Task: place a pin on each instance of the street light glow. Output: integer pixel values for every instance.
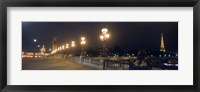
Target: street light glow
(104, 35)
(34, 40)
(83, 41)
(73, 44)
(101, 37)
(104, 30)
(107, 35)
(67, 45)
(82, 38)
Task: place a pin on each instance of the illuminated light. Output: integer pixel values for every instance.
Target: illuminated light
(73, 44)
(101, 37)
(63, 47)
(83, 42)
(67, 45)
(82, 38)
(104, 34)
(162, 46)
(23, 56)
(49, 49)
(107, 35)
(104, 30)
(38, 46)
(35, 40)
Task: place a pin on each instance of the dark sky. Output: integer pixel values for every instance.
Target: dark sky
(126, 35)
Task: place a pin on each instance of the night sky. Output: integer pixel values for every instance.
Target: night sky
(126, 35)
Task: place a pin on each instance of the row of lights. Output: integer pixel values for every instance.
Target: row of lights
(66, 46)
(104, 36)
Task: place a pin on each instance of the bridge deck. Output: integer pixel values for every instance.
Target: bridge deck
(52, 64)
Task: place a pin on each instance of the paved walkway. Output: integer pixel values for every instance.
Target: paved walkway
(52, 64)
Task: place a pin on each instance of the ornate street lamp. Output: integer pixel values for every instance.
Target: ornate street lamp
(104, 36)
(72, 45)
(83, 42)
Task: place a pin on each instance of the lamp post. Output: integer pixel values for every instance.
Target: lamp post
(67, 47)
(83, 42)
(72, 45)
(34, 40)
(104, 36)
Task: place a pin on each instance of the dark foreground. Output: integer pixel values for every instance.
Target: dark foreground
(96, 63)
(52, 64)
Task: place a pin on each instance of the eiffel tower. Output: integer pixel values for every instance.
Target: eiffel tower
(162, 46)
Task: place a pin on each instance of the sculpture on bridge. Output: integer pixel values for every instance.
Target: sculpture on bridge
(43, 50)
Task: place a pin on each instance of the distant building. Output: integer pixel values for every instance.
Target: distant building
(31, 54)
(162, 45)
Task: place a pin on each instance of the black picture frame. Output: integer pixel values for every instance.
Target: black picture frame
(98, 3)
